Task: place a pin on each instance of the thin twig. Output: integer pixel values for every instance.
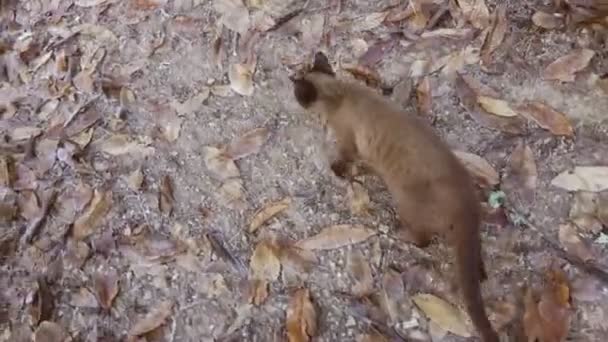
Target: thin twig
(35, 225)
(591, 267)
(435, 18)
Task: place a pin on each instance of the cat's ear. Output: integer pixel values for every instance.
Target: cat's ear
(305, 92)
(321, 64)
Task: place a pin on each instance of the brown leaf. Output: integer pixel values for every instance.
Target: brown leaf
(232, 192)
(6, 176)
(584, 212)
(476, 12)
(301, 320)
(50, 332)
(548, 319)
(358, 199)
(574, 243)
(41, 304)
(153, 319)
(106, 287)
(564, 68)
(84, 299)
(29, 206)
(361, 272)
(424, 97)
(135, 179)
(391, 294)
(259, 291)
(264, 263)
(83, 81)
(249, 143)
(546, 20)
(444, 314)
(336, 236)
(148, 4)
(120, 144)
(521, 177)
(467, 93)
(479, 168)
(77, 253)
(547, 117)
(87, 223)
(498, 30)
(267, 212)
(165, 195)
(235, 15)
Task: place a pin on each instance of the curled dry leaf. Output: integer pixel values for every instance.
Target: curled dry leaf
(583, 178)
(87, 223)
(361, 272)
(235, 15)
(106, 287)
(496, 106)
(336, 237)
(301, 320)
(424, 97)
(564, 68)
(153, 319)
(521, 177)
(49, 331)
(445, 315)
(546, 20)
(267, 212)
(165, 195)
(479, 168)
(241, 78)
(548, 318)
(574, 243)
(358, 199)
(547, 118)
(497, 31)
(476, 12)
(120, 144)
(249, 143)
(585, 211)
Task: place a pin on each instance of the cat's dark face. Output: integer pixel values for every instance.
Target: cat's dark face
(304, 90)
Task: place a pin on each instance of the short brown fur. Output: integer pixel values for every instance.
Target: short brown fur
(433, 192)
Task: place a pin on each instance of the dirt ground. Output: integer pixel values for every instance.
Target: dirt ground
(140, 80)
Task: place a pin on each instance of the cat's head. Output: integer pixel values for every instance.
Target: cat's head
(315, 85)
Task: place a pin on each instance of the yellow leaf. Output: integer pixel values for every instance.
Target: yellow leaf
(444, 314)
(496, 106)
(301, 320)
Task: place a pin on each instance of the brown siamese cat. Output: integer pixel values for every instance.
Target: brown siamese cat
(433, 191)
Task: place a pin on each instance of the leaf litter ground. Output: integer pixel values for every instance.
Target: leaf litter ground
(158, 182)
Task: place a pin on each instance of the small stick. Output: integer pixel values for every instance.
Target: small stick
(34, 227)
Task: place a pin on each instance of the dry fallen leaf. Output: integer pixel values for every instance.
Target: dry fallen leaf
(84, 299)
(41, 303)
(564, 68)
(336, 236)
(548, 318)
(424, 97)
(583, 178)
(361, 272)
(87, 223)
(476, 12)
(301, 320)
(267, 212)
(135, 179)
(120, 144)
(358, 199)
(218, 163)
(479, 168)
(153, 319)
(235, 15)
(165, 195)
(370, 21)
(264, 267)
(496, 106)
(148, 4)
(170, 125)
(547, 117)
(49, 331)
(457, 60)
(84, 81)
(106, 287)
(496, 34)
(585, 211)
(546, 20)
(249, 143)
(520, 181)
(444, 314)
(572, 241)
(241, 78)
(365, 74)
